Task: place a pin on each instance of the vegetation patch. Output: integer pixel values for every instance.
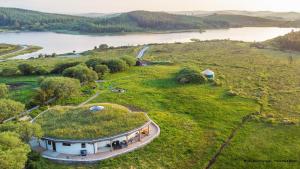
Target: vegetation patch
(81, 123)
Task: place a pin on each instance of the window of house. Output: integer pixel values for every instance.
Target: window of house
(49, 142)
(66, 144)
(83, 145)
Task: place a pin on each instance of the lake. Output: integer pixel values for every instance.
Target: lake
(65, 43)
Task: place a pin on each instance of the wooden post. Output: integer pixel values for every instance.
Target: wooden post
(127, 139)
(148, 130)
(140, 135)
(111, 148)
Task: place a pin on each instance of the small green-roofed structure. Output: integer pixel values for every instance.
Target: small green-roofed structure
(90, 121)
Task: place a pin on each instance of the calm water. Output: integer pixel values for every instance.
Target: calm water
(65, 43)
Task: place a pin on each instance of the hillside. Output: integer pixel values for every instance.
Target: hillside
(241, 20)
(136, 21)
(287, 16)
(290, 41)
(20, 19)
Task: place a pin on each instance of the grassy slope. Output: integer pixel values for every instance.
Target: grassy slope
(66, 122)
(190, 130)
(8, 48)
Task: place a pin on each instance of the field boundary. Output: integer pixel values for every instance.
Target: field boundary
(228, 140)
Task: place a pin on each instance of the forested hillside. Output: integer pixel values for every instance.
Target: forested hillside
(136, 21)
(290, 41)
(241, 20)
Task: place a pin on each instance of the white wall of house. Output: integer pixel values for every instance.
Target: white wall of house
(74, 148)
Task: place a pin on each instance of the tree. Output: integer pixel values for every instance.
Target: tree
(25, 130)
(26, 69)
(82, 73)
(9, 72)
(59, 68)
(189, 75)
(94, 62)
(13, 152)
(101, 70)
(9, 108)
(103, 46)
(60, 87)
(130, 61)
(40, 70)
(3, 90)
(116, 65)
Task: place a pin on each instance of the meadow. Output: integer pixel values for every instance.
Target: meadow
(195, 120)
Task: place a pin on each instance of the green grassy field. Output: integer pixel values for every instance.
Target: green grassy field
(196, 120)
(20, 51)
(7, 48)
(22, 88)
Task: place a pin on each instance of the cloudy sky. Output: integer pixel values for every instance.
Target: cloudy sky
(106, 6)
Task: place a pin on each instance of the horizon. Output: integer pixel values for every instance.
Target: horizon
(114, 6)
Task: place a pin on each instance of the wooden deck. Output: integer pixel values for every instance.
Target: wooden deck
(66, 158)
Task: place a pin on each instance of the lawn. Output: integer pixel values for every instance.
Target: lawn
(22, 88)
(191, 131)
(260, 145)
(67, 122)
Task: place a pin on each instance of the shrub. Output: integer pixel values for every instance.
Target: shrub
(26, 69)
(60, 87)
(82, 73)
(9, 108)
(94, 62)
(3, 90)
(130, 61)
(13, 151)
(41, 70)
(116, 65)
(101, 70)
(189, 75)
(59, 68)
(9, 72)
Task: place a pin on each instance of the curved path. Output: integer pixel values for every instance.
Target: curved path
(23, 47)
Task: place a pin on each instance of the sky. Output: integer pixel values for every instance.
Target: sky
(108, 6)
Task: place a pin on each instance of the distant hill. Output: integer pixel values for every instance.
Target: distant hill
(242, 20)
(136, 21)
(20, 19)
(287, 16)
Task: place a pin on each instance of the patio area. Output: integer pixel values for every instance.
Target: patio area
(66, 158)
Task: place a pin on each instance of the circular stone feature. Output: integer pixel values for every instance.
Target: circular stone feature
(67, 122)
(96, 108)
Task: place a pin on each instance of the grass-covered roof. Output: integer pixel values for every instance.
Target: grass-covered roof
(65, 122)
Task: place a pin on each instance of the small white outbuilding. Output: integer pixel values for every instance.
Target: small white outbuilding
(209, 74)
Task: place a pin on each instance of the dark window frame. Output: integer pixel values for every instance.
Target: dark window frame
(49, 142)
(83, 145)
(66, 144)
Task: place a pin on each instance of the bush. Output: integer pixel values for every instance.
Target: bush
(62, 66)
(13, 151)
(82, 73)
(101, 70)
(189, 75)
(9, 72)
(130, 61)
(116, 65)
(41, 70)
(3, 90)
(9, 108)
(94, 62)
(60, 87)
(26, 69)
